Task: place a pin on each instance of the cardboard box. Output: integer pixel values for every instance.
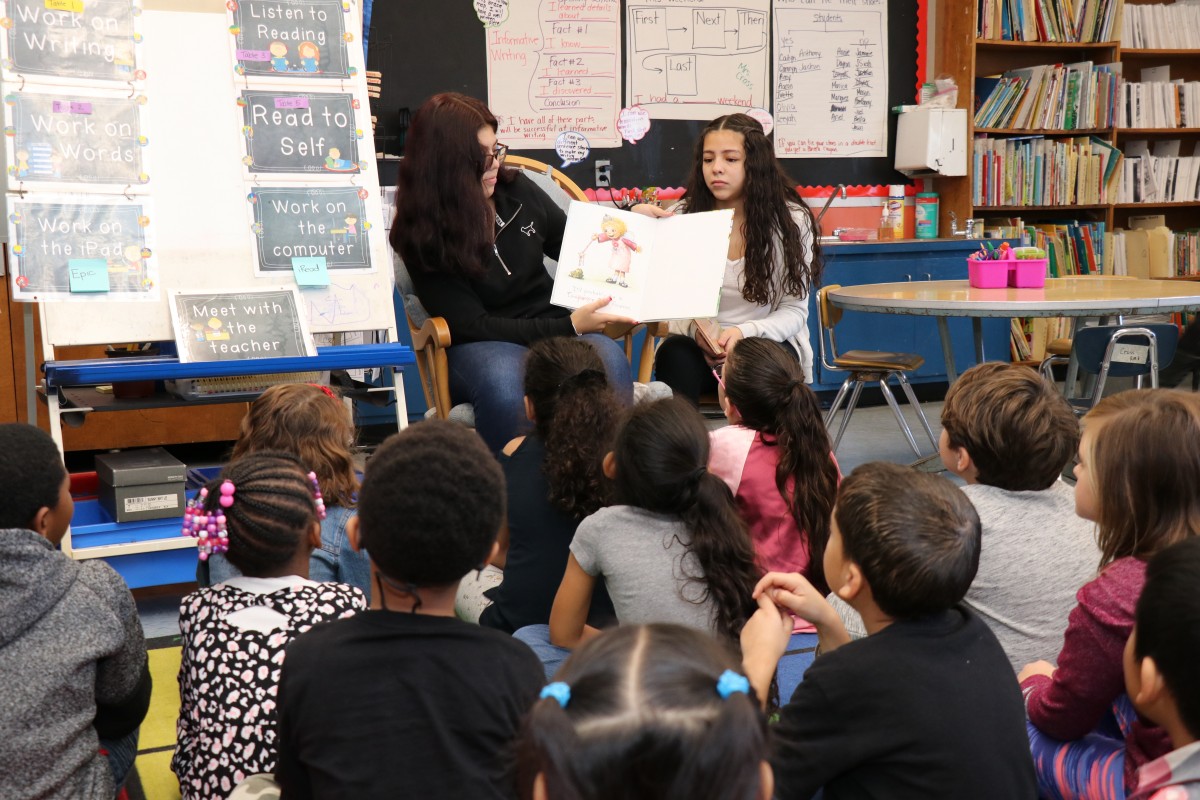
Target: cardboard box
(141, 484)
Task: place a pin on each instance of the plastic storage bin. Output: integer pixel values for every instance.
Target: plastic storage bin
(988, 274)
(1028, 273)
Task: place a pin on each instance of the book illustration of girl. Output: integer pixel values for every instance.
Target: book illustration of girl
(613, 230)
(310, 57)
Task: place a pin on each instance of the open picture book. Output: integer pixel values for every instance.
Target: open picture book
(654, 269)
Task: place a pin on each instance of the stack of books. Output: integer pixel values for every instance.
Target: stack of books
(1173, 26)
(1036, 171)
(1047, 20)
(1076, 96)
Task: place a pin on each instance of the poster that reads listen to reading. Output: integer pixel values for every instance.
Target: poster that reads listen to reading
(71, 41)
(290, 40)
(831, 88)
(555, 67)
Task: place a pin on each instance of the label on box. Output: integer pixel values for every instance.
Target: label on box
(152, 502)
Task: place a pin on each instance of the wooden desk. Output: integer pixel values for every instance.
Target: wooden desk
(1098, 296)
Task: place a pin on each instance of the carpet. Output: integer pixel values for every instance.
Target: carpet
(152, 778)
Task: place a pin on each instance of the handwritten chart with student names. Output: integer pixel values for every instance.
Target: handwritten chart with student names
(697, 59)
(830, 78)
(554, 67)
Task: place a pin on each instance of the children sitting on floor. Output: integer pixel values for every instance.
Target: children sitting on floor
(554, 479)
(926, 705)
(311, 423)
(267, 509)
(1008, 433)
(72, 655)
(1139, 466)
(1160, 670)
(406, 700)
(644, 712)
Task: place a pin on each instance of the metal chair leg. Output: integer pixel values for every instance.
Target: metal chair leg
(891, 401)
(912, 401)
(858, 385)
(837, 402)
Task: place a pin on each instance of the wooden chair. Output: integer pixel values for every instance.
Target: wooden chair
(431, 335)
(864, 366)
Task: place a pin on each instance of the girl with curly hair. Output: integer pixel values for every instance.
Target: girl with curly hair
(773, 262)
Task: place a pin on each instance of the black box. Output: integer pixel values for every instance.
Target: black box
(141, 484)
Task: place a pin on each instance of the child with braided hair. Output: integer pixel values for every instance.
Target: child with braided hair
(264, 514)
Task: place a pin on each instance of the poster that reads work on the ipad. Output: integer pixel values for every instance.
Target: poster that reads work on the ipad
(697, 59)
(831, 88)
(309, 135)
(76, 139)
(81, 248)
(554, 69)
(338, 226)
(291, 40)
(653, 269)
(71, 41)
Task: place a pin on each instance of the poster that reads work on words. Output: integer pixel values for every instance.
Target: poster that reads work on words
(831, 78)
(554, 68)
(697, 59)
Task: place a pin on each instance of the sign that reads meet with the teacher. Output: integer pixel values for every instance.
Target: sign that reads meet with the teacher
(49, 237)
(329, 222)
(300, 132)
(75, 138)
(291, 38)
(239, 326)
(94, 40)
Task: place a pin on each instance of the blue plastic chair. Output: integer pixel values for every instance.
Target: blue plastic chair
(1118, 351)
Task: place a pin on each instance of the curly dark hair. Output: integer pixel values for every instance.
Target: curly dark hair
(662, 457)
(766, 384)
(575, 415)
(31, 471)
(443, 221)
(770, 200)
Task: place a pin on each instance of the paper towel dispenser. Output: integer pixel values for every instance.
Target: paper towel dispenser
(932, 141)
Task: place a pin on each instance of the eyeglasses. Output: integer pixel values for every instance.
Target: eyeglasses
(720, 380)
(497, 154)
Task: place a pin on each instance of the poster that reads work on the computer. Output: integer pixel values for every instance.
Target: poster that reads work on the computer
(336, 226)
(697, 59)
(81, 248)
(554, 70)
(830, 78)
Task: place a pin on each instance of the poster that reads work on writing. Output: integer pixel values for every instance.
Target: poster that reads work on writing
(831, 89)
(554, 67)
(71, 41)
(79, 248)
(312, 135)
(294, 39)
(697, 59)
(76, 139)
(335, 223)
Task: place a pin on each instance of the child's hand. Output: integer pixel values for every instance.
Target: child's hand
(1036, 668)
(729, 337)
(595, 236)
(764, 639)
(793, 592)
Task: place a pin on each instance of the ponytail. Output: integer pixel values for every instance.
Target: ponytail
(767, 386)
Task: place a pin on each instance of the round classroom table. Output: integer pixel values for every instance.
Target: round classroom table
(1076, 297)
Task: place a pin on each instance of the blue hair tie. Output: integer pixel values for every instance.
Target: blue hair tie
(729, 683)
(559, 691)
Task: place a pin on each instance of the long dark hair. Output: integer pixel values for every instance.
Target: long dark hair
(575, 414)
(766, 384)
(645, 721)
(662, 466)
(770, 200)
(443, 221)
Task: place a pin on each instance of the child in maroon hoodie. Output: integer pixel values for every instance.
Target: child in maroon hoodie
(1139, 465)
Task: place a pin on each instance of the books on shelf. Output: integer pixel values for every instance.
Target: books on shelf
(1037, 171)
(1158, 102)
(1076, 96)
(1073, 247)
(1160, 175)
(1047, 20)
(1161, 26)
(1156, 252)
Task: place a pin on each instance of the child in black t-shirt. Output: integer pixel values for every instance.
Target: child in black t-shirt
(926, 705)
(405, 700)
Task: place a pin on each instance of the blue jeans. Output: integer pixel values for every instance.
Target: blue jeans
(120, 754)
(538, 638)
(491, 377)
(334, 560)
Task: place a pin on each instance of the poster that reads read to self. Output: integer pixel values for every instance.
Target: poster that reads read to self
(311, 134)
(71, 41)
(293, 39)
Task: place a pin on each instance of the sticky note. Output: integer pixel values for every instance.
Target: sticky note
(253, 55)
(65, 5)
(88, 274)
(291, 102)
(310, 271)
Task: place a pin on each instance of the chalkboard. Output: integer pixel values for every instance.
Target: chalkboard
(300, 132)
(291, 38)
(48, 233)
(100, 42)
(76, 138)
(227, 326)
(409, 45)
(327, 222)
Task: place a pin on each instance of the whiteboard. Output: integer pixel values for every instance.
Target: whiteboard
(194, 126)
